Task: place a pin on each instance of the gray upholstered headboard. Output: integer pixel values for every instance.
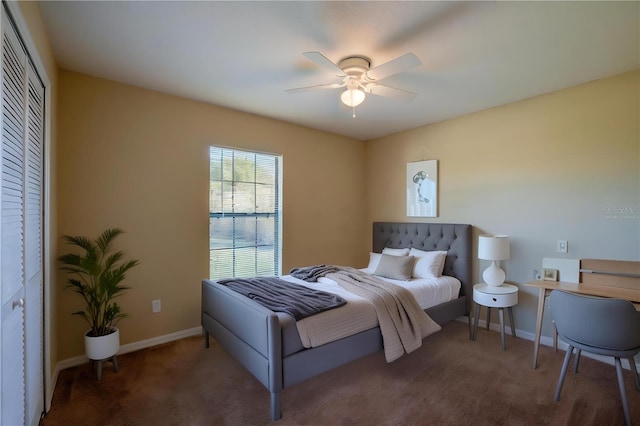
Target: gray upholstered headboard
(454, 238)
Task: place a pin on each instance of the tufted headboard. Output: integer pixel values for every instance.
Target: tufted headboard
(454, 238)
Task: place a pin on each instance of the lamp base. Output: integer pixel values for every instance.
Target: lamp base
(493, 276)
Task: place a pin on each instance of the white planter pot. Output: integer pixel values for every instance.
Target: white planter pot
(102, 347)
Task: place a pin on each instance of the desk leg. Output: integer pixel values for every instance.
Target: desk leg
(501, 315)
(536, 342)
(475, 321)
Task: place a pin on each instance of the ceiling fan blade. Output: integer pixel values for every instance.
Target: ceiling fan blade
(317, 87)
(325, 63)
(390, 92)
(394, 66)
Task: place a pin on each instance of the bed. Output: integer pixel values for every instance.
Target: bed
(267, 344)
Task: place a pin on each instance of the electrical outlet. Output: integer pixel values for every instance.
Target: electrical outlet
(563, 246)
(536, 274)
(155, 306)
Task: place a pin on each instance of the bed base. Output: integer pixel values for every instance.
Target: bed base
(252, 334)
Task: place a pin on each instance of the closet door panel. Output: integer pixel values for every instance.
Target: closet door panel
(21, 232)
(12, 226)
(13, 157)
(12, 412)
(34, 327)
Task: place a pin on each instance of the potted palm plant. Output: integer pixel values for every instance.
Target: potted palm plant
(96, 274)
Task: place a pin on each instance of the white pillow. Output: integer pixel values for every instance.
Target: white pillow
(396, 252)
(395, 267)
(429, 264)
(374, 260)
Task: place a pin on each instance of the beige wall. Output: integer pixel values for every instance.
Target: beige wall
(138, 160)
(558, 166)
(548, 168)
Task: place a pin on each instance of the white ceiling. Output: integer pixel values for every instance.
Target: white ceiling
(244, 55)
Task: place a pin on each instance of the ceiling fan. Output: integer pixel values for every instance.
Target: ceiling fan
(359, 78)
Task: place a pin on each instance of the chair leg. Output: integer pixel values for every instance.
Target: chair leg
(623, 393)
(632, 365)
(577, 362)
(563, 373)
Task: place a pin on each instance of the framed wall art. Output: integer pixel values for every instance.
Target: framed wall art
(550, 274)
(422, 188)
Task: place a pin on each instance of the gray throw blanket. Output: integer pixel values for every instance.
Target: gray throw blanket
(282, 296)
(312, 273)
(403, 323)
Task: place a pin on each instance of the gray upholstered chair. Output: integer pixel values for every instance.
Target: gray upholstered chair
(609, 327)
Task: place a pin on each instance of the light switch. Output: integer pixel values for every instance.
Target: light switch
(563, 246)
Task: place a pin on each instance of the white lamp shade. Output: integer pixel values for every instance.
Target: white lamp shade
(493, 247)
(352, 97)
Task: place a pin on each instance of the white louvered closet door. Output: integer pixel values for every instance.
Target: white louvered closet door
(34, 327)
(21, 231)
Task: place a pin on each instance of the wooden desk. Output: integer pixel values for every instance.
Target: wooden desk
(545, 287)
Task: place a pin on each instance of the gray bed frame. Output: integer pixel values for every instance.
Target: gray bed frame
(258, 337)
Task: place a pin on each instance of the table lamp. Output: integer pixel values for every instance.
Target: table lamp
(493, 247)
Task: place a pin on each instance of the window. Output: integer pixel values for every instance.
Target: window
(244, 213)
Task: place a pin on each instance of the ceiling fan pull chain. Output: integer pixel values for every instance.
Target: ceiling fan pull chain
(353, 110)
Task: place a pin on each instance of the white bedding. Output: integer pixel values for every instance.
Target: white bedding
(358, 314)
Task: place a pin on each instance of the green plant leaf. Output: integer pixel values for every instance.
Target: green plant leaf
(96, 274)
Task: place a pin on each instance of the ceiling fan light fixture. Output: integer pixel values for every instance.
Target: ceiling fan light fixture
(358, 78)
(352, 97)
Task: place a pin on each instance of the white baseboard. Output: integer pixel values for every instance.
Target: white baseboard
(132, 347)
(548, 341)
(129, 347)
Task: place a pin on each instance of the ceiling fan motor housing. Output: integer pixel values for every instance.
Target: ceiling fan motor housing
(355, 66)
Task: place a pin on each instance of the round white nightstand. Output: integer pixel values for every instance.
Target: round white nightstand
(502, 296)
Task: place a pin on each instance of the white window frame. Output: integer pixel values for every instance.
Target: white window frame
(225, 205)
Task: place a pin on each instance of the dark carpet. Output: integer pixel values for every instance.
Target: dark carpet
(449, 381)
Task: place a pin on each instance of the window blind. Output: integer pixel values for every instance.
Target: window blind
(244, 213)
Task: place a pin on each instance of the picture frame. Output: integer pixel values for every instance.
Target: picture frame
(550, 274)
(422, 188)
